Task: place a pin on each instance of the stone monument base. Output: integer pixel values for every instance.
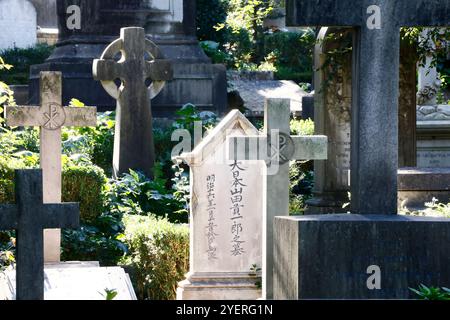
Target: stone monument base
(334, 256)
(219, 286)
(75, 281)
(419, 185)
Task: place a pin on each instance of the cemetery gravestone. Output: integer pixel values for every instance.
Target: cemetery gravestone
(133, 142)
(51, 117)
(29, 216)
(17, 24)
(277, 147)
(226, 215)
(366, 255)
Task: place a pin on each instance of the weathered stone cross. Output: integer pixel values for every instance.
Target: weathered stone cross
(50, 117)
(374, 150)
(277, 153)
(133, 144)
(29, 216)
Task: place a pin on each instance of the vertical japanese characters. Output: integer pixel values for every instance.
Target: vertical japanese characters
(211, 209)
(237, 189)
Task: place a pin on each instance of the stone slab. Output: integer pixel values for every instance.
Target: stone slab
(255, 92)
(327, 257)
(76, 281)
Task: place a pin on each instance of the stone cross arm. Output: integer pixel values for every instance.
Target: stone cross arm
(290, 148)
(405, 13)
(8, 216)
(53, 216)
(157, 70)
(51, 117)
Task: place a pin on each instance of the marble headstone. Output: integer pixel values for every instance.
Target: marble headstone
(17, 24)
(76, 281)
(226, 218)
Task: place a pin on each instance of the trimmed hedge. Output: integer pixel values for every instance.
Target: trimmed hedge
(84, 185)
(79, 184)
(158, 256)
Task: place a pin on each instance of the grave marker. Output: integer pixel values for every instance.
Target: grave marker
(133, 142)
(334, 256)
(276, 185)
(375, 84)
(50, 117)
(225, 221)
(29, 216)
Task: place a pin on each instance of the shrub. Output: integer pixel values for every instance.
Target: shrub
(134, 193)
(22, 59)
(101, 240)
(431, 293)
(84, 185)
(158, 255)
(209, 14)
(293, 52)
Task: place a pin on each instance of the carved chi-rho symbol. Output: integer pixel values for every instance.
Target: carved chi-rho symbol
(51, 117)
(55, 117)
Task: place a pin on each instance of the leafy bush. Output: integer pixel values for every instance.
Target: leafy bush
(84, 184)
(136, 194)
(96, 142)
(158, 255)
(210, 13)
(22, 59)
(432, 293)
(302, 127)
(100, 240)
(293, 52)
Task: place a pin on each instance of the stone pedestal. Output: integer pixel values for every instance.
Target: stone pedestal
(170, 24)
(359, 257)
(216, 286)
(419, 185)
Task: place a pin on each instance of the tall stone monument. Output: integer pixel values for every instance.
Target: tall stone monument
(372, 253)
(84, 35)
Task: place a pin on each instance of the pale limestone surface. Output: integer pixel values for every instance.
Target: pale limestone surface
(18, 24)
(76, 281)
(226, 217)
(50, 117)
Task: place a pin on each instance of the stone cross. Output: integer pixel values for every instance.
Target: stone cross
(376, 49)
(133, 143)
(276, 191)
(50, 117)
(29, 216)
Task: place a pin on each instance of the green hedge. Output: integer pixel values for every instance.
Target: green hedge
(80, 184)
(84, 185)
(22, 59)
(158, 256)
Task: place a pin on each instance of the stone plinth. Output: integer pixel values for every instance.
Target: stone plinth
(333, 256)
(419, 185)
(170, 24)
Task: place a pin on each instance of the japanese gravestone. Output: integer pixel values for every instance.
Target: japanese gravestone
(29, 216)
(87, 27)
(50, 117)
(276, 147)
(226, 215)
(133, 141)
(376, 253)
